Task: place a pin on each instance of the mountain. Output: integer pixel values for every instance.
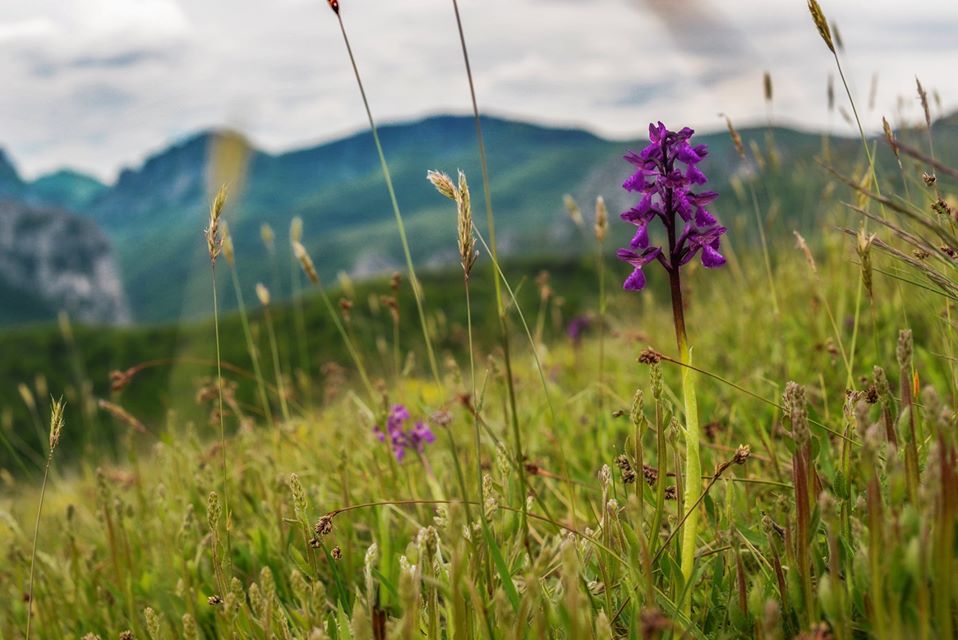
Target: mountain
(65, 189)
(154, 214)
(11, 185)
(52, 260)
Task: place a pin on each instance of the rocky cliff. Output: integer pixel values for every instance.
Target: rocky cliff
(52, 260)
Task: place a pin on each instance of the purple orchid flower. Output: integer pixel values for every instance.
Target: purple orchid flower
(665, 175)
(401, 438)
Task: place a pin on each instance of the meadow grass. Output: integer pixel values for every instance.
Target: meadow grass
(823, 500)
(821, 487)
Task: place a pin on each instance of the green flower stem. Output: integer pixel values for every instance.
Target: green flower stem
(693, 464)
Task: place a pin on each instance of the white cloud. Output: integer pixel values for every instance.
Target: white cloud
(96, 84)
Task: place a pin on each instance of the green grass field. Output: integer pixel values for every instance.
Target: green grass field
(793, 474)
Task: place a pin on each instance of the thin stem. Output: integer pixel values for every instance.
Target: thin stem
(36, 535)
(413, 280)
(496, 276)
(251, 347)
(350, 347)
(219, 389)
(277, 371)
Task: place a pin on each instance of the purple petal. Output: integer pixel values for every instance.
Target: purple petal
(703, 199)
(695, 176)
(635, 281)
(711, 258)
(704, 218)
(686, 153)
(641, 238)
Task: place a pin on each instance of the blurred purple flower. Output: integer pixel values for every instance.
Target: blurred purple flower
(401, 438)
(665, 187)
(577, 327)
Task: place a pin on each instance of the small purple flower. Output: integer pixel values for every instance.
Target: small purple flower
(665, 188)
(577, 327)
(401, 438)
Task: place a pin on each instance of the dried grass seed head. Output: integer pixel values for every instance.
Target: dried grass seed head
(443, 183)
(572, 208)
(923, 97)
(818, 17)
(305, 262)
(466, 238)
(228, 249)
(296, 229)
(736, 138)
(890, 137)
(214, 240)
(601, 227)
(905, 348)
(267, 236)
(262, 293)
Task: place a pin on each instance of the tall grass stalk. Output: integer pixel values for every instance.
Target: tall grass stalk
(413, 280)
(214, 244)
(264, 298)
(309, 268)
(493, 253)
(299, 318)
(56, 430)
(229, 254)
(601, 229)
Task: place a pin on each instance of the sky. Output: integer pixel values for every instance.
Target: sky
(97, 85)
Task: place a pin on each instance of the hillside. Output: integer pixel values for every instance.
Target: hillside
(154, 213)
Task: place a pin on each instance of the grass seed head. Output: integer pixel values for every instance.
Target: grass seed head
(296, 229)
(923, 96)
(214, 240)
(466, 238)
(300, 504)
(572, 208)
(213, 511)
(793, 400)
(864, 256)
(767, 85)
(818, 17)
(267, 236)
(228, 250)
(305, 262)
(262, 293)
(803, 247)
(152, 623)
(443, 183)
(838, 37)
(601, 219)
(736, 138)
(56, 422)
(890, 137)
(905, 348)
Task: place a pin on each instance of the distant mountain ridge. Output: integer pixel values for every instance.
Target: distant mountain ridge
(154, 213)
(64, 189)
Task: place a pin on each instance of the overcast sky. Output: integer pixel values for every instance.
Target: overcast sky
(98, 84)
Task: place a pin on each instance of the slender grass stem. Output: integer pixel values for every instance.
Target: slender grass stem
(413, 280)
(222, 419)
(277, 369)
(251, 348)
(36, 536)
